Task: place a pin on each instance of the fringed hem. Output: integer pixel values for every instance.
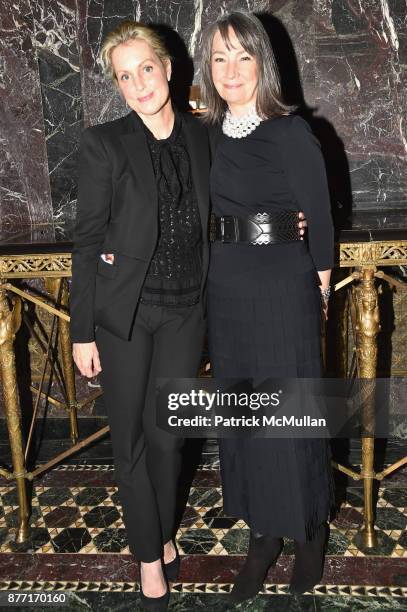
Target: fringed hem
(308, 533)
(313, 524)
(318, 514)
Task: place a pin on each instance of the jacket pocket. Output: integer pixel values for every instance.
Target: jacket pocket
(117, 292)
(106, 269)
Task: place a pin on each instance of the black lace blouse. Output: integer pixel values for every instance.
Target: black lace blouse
(174, 274)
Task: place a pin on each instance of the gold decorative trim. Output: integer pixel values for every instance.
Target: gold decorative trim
(34, 266)
(386, 253)
(218, 588)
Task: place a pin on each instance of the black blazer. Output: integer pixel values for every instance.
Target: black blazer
(117, 213)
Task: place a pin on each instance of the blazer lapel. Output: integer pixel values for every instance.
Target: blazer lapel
(199, 156)
(136, 147)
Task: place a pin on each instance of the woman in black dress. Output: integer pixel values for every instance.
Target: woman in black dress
(266, 293)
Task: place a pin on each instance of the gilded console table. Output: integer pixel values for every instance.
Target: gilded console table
(45, 254)
(366, 248)
(363, 251)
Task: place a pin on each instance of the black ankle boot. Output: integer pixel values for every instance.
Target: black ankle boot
(309, 561)
(262, 554)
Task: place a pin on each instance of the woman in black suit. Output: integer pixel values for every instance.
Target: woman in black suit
(139, 268)
(267, 292)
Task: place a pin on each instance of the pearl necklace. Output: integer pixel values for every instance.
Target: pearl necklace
(239, 127)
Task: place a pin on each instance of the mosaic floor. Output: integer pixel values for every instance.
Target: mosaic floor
(78, 544)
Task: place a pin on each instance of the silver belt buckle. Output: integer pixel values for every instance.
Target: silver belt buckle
(227, 225)
(256, 226)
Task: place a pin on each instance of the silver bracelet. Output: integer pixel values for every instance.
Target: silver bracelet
(325, 293)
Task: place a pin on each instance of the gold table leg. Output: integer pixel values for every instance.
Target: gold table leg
(67, 365)
(53, 286)
(10, 321)
(368, 328)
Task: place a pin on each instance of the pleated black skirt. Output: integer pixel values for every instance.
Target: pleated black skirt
(270, 326)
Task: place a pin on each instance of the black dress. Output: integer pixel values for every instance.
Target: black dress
(264, 319)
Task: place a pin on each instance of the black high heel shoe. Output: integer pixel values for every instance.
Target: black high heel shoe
(309, 561)
(171, 569)
(263, 552)
(153, 604)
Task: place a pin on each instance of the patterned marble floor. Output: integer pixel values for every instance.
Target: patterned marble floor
(78, 545)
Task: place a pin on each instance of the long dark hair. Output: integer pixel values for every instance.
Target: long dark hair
(254, 40)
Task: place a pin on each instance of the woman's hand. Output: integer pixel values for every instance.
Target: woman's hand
(302, 224)
(324, 287)
(86, 357)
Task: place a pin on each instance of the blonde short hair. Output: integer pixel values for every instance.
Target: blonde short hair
(125, 32)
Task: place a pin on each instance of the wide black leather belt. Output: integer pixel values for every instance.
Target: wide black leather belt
(260, 228)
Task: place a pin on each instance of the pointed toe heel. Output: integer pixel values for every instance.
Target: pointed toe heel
(154, 604)
(172, 569)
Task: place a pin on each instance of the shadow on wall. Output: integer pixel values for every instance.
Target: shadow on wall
(333, 149)
(182, 66)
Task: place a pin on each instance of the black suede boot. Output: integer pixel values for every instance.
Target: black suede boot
(263, 552)
(309, 561)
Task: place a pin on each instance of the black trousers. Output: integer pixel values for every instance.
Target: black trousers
(165, 342)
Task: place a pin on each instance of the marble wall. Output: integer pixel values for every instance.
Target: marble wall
(343, 61)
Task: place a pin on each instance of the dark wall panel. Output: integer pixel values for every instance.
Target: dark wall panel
(24, 185)
(343, 61)
(359, 88)
(56, 39)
